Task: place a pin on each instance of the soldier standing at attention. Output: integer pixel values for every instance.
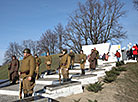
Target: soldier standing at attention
(64, 65)
(13, 69)
(38, 62)
(48, 62)
(72, 55)
(27, 73)
(82, 60)
(92, 60)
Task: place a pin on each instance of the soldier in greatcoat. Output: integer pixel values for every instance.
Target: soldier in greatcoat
(13, 70)
(92, 60)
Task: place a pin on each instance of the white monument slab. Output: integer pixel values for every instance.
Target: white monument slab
(102, 48)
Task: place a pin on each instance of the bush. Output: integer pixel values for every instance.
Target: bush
(77, 100)
(92, 101)
(122, 62)
(112, 72)
(121, 69)
(119, 63)
(95, 87)
(110, 79)
(111, 75)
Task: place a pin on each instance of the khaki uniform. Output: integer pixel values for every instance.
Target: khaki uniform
(38, 62)
(28, 70)
(13, 70)
(48, 62)
(64, 65)
(82, 60)
(72, 55)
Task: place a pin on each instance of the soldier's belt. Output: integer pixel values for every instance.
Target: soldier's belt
(26, 72)
(63, 64)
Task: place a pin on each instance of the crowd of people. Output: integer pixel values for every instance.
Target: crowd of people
(132, 53)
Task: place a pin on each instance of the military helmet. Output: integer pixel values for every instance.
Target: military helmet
(65, 50)
(26, 50)
(14, 56)
(81, 50)
(35, 55)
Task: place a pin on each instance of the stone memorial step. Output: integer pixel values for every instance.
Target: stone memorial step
(36, 99)
(56, 76)
(47, 81)
(61, 90)
(13, 90)
(85, 79)
(130, 61)
(105, 67)
(3, 81)
(7, 98)
(99, 72)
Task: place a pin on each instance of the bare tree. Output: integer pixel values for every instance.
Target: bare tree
(13, 49)
(32, 45)
(95, 22)
(48, 42)
(135, 4)
(60, 32)
(73, 40)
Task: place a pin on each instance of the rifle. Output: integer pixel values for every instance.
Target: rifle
(59, 74)
(20, 88)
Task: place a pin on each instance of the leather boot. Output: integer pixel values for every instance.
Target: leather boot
(83, 71)
(25, 95)
(29, 95)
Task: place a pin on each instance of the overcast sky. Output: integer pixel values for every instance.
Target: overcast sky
(28, 19)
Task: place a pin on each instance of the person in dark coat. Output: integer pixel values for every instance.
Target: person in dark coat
(92, 60)
(13, 70)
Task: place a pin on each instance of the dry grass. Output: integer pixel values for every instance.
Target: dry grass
(128, 85)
